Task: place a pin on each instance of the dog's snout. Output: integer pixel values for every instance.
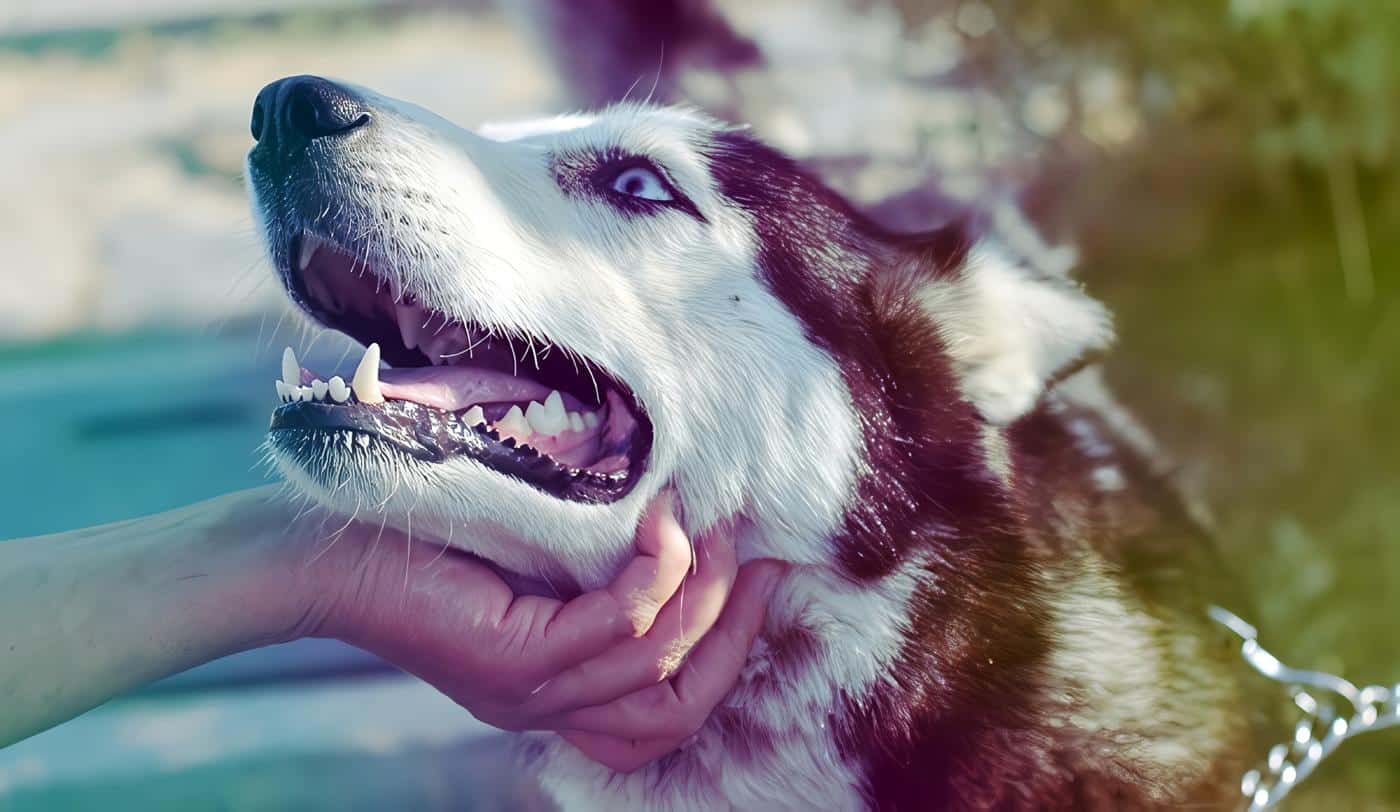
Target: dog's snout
(290, 113)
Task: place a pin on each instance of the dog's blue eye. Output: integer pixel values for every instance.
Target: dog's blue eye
(638, 181)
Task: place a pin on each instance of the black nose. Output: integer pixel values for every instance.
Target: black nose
(291, 113)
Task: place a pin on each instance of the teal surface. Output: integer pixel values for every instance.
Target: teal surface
(105, 428)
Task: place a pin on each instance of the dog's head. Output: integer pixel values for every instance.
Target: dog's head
(580, 311)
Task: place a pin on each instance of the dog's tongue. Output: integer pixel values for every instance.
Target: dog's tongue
(452, 388)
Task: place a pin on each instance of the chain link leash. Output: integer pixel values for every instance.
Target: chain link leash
(1334, 710)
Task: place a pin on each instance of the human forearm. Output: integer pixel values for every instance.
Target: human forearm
(90, 614)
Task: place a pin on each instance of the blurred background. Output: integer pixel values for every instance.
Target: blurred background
(1225, 171)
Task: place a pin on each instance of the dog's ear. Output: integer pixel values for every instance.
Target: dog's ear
(1011, 328)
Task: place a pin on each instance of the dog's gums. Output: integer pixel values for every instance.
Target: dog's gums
(523, 406)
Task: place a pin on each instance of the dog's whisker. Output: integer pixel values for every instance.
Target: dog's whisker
(408, 553)
(335, 537)
(443, 551)
(550, 584)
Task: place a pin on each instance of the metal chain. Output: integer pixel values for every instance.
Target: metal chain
(1322, 728)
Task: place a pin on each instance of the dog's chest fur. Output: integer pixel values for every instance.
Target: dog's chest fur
(1074, 672)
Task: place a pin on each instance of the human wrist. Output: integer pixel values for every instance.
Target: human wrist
(315, 574)
(256, 546)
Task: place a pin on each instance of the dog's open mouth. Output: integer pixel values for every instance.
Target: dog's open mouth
(520, 405)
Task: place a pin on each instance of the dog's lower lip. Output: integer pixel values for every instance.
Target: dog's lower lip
(430, 436)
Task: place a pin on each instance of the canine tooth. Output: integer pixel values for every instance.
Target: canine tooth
(514, 422)
(339, 392)
(366, 380)
(410, 321)
(291, 370)
(319, 388)
(309, 244)
(474, 416)
(576, 421)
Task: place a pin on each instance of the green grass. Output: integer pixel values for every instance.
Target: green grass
(1277, 392)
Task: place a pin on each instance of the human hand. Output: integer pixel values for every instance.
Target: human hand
(626, 673)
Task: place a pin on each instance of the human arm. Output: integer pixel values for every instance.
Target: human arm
(90, 614)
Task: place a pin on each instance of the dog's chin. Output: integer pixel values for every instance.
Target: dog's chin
(540, 543)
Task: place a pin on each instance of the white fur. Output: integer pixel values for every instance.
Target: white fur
(1010, 332)
(1108, 669)
(751, 419)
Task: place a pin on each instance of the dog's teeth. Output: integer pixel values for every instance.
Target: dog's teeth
(366, 380)
(576, 421)
(319, 388)
(281, 390)
(339, 392)
(554, 410)
(548, 417)
(291, 370)
(591, 420)
(309, 244)
(304, 393)
(410, 321)
(474, 416)
(514, 423)
(534, 415)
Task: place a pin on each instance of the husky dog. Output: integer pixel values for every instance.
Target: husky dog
(994, 599)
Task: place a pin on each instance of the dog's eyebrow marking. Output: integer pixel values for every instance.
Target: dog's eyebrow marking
(587, 173)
